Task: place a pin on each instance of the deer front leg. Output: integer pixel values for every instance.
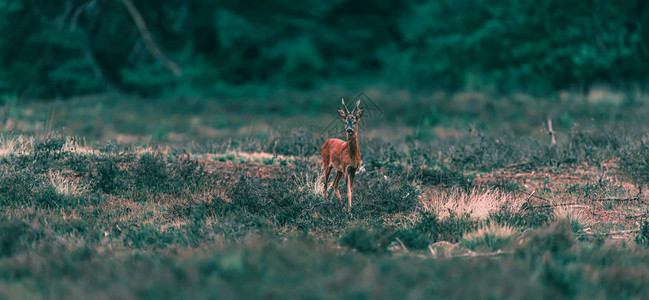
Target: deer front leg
(350, 188)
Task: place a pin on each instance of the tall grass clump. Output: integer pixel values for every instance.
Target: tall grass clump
(491, 237)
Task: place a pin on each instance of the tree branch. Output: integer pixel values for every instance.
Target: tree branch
(148, 40)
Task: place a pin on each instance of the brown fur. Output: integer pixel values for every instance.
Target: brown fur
(344, 157)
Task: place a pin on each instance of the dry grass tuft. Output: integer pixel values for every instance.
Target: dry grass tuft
(15, 145)
(310, 183)
(66, 186)
(577, 218)
(493, 229)
(261, 158)
(75, 146)
(478, 203)
(491, 237)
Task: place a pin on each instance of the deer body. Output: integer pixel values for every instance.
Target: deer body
(344, 157)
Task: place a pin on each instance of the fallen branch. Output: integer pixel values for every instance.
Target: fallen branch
(479, 254)
(148, 40)
(624, 231)
(402, 245)
(618, 199)
(514, 165)
(576, 204)
(620, 232)
(633, 216)
(532, 195)
(432, 251)
(573, 204)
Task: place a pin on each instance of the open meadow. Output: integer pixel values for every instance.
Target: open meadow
(177, 149)
(459, 196)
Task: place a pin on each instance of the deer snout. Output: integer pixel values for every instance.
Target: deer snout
(350, 131)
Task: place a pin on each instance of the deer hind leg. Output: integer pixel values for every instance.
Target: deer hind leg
(335, 185)
(327, 170)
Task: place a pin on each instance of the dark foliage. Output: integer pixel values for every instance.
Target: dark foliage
(11, 232)
(643, 236)
(23, 187)
(443, 176)
(427, 230)
(555, 240)
(368, 240)
(430, 229)
(63, 48)
(635, 163)
(530, 214)
(382, 196)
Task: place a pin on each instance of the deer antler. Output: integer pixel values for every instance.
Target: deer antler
(357, 104)
(346, 110)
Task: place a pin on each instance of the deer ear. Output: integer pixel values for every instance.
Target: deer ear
(359, 113)
(342, 113)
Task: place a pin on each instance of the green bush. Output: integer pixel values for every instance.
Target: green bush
(531, 214)
(367, 240)
(556, 239)
(429, 229)
(537, 51)
(230, 48)
(383, 196)
(11, 232)
(643, 236)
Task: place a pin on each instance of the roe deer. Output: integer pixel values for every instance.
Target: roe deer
(345, 157)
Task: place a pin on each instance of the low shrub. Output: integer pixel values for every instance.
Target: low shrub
(368, 240)
(11, 232)
(150, 173)
(642, 237)
(443, 176)
(556, 240)
(531, 214)
(489, 238)
(429, 228)
(384, 196)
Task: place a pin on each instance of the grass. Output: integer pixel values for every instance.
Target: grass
(487, 213)
(491, 237)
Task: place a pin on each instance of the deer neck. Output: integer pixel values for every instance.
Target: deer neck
(352, 144)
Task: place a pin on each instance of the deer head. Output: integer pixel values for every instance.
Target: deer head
(350, 119)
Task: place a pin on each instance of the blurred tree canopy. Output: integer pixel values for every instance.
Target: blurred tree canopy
(60, 48)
